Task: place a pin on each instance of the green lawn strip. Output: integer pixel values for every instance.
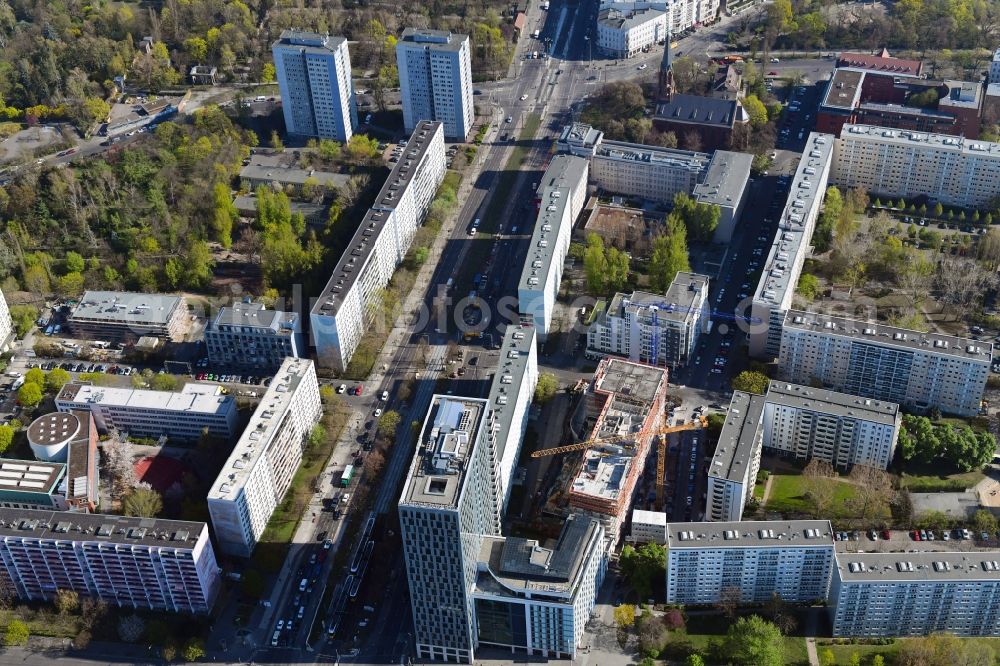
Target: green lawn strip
(936, 483)
(795, 646)
(788, 495)
(46, 622)
(479, 250)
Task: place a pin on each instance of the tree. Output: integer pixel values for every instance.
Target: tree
(269, 73)
(194, 649)
(694, 660)
(595, 264)
(644, 567)
(35, 376)
(752, 641)
(942, 649)
(388, 423)
(751, 381)
(144, 502)
(822, 484)
(878, 660)
(17, 633)
(756, 110)
(74, 262)
(23, 318)
(546, 387)
(985, 521)
(673, 619)
(66, 601)
(701, 219)
(29, 395)
(652, 634)
(618, 269)
(624, 616)
(873, 491)
(827, 658)
(669, 256)
(130, 628)
(809, 286)
(729, 601)
(56, 379)
(224, 216)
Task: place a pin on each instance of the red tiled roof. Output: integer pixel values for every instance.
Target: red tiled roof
(882, 63)
(520, 20)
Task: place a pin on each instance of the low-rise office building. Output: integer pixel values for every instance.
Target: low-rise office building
(259, 471)
(733, 471)
(627, 32)
(252, 336)
(916, 593)
(659, 330)
(953, 170)
(749, 561)
(117, 316)
(843, 430)
(537, 600)
(345, 310)
(780, 275)
(918, 370)
(126, 562)
(648, 527)
(66, 437)
(560, 198)
(725, 184)
(181, 415)
(282, 171)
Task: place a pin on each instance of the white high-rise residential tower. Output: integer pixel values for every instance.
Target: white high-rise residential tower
(435, 80)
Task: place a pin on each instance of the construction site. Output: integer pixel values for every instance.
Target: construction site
(612, 428)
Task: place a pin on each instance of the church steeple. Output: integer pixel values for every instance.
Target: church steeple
(666, 77)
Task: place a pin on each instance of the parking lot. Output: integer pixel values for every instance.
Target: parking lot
(900, 541)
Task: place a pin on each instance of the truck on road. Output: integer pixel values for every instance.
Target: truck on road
(346, 476)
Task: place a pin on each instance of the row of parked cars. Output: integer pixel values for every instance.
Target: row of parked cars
(948, 535)
(85, 367)
(232, 379)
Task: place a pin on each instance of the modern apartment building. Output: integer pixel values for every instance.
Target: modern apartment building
(6, 324)
(181, 415)
(560, 198)
(435, 80)
(780, 276)
(537, 600)
(446, 511)
(895, 163)
(733, 472)
(630, 30)
(706, 561)
(659, 330)
(511, 392)
(916, 593)
(623, 408)
(843, 430)
(348, 305)
(725, 183)
(249, 335)
(118, 316)
(648, 527)
(918, 370)
(165, 565)
(317, 93)
(259, 471)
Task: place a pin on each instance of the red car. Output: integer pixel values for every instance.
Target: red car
(916, 535)
(357, 390)
(886, 535)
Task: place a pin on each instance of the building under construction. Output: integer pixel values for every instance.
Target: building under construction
(624, 409)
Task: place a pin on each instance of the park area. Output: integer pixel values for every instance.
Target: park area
(839, 498)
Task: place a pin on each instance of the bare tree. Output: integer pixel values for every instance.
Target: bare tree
(117, 455)
(729, 601)
(873, 491)
(130, 628)
(962, 283)
(781, 613)
(822, 484)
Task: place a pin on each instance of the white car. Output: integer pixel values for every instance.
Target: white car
(524, 97)
(643, 66)
(341, 388)
(385, 395)
(509, 118)
(378, 412)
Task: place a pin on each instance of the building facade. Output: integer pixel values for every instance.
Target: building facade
(317, 93)
(885, 162)
(250, 335)
(435, 80)
(843, 430)
(915, 594)
(736, 462)
(623, 33)
(259, 471)
(749, 561)
(148, 563)
(659, 330)
(181, 415)
(649, 527)
(560, 198)
(346, 308)
(773, 296)
(6, 324)
(918, 370)
(118, 316)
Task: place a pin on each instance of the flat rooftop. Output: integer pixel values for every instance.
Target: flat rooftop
(516, 565)
(844, 89)
(890, 336)
(617, 19)
(284, 168)
(832, 402)
(73, 526)
(256, 316)
(649, 517)
(919, 567)
(776, 287)
(123, 307)
(515, 350)
(564, 176)
(309, 42)
(750, 534)
(725, 180)
(681, 160)
(929, 140)
(636, 383)
(449, 433)
(580, 138)
(353, 262)
(192, 398)
(260, 431)
(677, 305)
(962, 94)
(902, 110)
(437, 40)
(740, 434)
(30, 476)
(54, 428)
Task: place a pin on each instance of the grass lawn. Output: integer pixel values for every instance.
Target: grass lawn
(45, 622)
(843, 653)
(939, 483)
(788, 495)
(795, 646)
